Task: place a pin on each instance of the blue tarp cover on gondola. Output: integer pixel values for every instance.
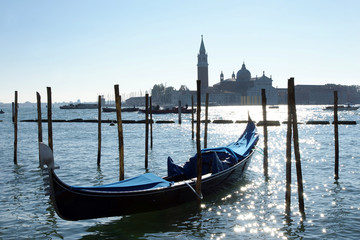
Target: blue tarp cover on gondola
(143, 182)
(215, 160)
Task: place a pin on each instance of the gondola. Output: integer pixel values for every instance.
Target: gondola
(222, 166)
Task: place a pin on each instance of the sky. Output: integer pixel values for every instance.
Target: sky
(82, 48)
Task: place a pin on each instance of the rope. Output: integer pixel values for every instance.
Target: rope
(199, 196)
(260, 150)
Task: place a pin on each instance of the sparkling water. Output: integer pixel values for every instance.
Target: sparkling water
(252, 208)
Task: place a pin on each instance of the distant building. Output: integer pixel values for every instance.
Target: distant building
(239, 89)
(324, 94)
(135, 101)
(243, 89)
(321, 94)
(202, 66)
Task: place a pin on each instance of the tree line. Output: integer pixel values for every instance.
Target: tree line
(162, 94)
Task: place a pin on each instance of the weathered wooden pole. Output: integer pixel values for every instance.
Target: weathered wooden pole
(49, 118)
(120, 132)
(151, 125)
(146, 129)
(296, 147)
(192, 116)
(288, 159)
(265, 162)
(198, 146)
(15, 126)
(206, 119)
(336, 133)
(179, 111)
(99, 132)
(40, 138)
(13, 111)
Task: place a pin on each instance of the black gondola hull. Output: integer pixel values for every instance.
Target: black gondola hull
(73, 204)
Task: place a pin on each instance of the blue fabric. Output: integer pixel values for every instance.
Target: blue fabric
(143, 182)
(217, 159)
(211, 163)
(173, 169)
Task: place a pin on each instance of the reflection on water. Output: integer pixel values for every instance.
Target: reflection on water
(150, 224)
(253, 208)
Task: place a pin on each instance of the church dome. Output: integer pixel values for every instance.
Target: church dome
(243, 74)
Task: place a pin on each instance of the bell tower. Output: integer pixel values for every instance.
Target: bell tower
(202, 66)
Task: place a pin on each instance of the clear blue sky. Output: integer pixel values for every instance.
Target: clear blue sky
(82, 48)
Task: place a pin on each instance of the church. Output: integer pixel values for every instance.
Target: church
(239, 89)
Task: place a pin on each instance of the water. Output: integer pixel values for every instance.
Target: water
(251, 209)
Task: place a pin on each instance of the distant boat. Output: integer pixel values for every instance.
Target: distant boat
(80, 106)
(346, 107)
(108, 109)
(1, 111)
(274, 106)
(168, 110)
(130, 109)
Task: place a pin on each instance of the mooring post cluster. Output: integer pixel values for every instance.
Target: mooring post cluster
(292, 134)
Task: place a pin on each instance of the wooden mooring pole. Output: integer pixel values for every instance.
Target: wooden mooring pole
(49, 117)
(179, 111)
(265, 162)
(99, 132)
(40, 137)
(288, 160)
(336, 133)
(198, 146)
(146, 129)
(151, 125)
(291, 91)
(120, 132)
(15, 126)
(192, 116)
(13, 111)
(206, 119)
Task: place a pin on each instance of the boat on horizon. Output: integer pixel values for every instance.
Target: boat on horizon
(346, 107)
(221, 167)
(113, 109)
(80, 106)
(274, 106)
(159, 110)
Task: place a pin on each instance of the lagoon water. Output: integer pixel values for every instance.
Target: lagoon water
(252, 208)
